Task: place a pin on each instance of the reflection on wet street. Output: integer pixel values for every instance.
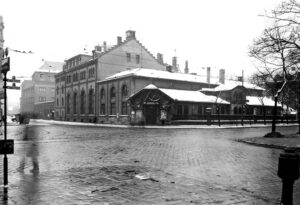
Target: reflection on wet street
(84, 165)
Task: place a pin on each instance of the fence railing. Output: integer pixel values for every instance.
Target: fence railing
(231, 119)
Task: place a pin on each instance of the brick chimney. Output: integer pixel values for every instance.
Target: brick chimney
(119, 40)
(186, 69)
(130, 34)
(104, 46)
(174, 64)
(160, 58)
(208, 75)
(222, 76)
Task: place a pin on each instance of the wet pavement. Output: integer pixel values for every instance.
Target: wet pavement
(61, 164)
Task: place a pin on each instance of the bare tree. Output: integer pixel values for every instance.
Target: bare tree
(274, 52)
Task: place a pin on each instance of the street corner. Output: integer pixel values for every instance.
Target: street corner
(282, 142)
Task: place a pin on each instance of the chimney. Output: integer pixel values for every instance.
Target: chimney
(159, 57)
(169, 68)
(104, 46)
(96, 51)
(186, 69)
(174, 64)
(98, 48)
(222, 76)
(130, 34)
(208, 75)
(119, 40)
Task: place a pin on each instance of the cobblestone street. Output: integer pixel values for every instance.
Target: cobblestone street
(60, 164)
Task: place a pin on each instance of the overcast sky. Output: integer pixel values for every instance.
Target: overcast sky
(215, 33)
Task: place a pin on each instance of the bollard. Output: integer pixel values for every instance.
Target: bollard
(288, 171)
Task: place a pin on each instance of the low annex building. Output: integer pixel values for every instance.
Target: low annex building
(116, 104)
(153, 105)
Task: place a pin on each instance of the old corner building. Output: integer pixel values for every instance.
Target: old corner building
(77, 91)
(126, 84)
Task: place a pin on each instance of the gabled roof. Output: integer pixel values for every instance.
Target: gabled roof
(159, 74)
(186, 95)
(123, 43)
(230, 85)
(259, 101)
(52, 65)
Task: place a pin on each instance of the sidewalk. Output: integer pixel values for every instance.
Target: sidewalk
(39, 121)
(291, 141)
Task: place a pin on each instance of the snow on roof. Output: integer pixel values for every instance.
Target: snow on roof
(187, 95)
(230, 84)
(150, 86)
(259, 101)
(191, 96)
(52, 65)
(152, 73)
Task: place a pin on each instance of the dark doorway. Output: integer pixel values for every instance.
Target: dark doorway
(151, 114)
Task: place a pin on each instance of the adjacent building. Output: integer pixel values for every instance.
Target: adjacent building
(38, 94)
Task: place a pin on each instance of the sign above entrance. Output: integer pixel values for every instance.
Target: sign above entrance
(151, 103)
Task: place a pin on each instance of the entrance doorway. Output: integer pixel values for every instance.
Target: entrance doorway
(151, 114)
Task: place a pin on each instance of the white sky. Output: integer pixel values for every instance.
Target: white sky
(215, 33)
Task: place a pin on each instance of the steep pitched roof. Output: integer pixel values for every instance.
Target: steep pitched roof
(123, 43)
(159, 74)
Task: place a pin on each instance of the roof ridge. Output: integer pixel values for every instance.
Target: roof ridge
(144, 47)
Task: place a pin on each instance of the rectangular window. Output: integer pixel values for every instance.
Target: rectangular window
(185, 110)
(128, 57)
(42, 99)
(42, 89)
(92, 72)
(137, 58)
(179, 110)
(200, 110)
(102, 109)
(124, 108)
(112, 108)
(82, 75)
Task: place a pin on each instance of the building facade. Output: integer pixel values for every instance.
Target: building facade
(38, 94)
(114, 93)
(76, 84)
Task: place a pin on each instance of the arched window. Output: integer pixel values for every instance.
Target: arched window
(124, 107)
(62, 102)
(82, 101)
(75, 102)
(102, 102)
(113, 101)
(91, 101)
(68, 103)
(124, 91)
(62, 89)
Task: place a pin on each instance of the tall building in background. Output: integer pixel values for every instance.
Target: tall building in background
(38, 94)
